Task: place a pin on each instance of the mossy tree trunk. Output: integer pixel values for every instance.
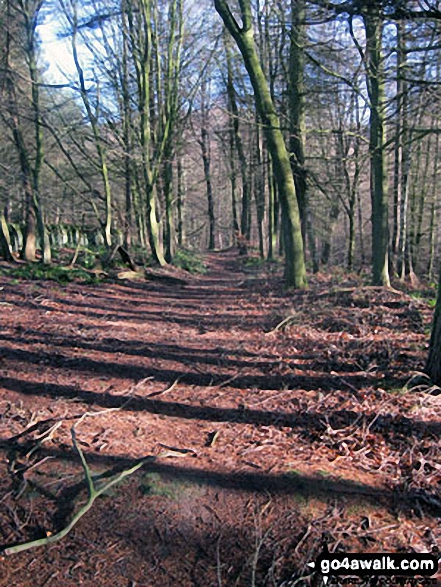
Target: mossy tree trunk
(31, 157)
(175, 41)
(31, 25)
(295, 270)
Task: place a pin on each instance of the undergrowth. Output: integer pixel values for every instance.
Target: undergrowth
(189, 261)
(62, 275)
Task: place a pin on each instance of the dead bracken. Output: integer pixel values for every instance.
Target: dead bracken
(259, 436)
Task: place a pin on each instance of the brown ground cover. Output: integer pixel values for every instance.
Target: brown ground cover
(278, 420)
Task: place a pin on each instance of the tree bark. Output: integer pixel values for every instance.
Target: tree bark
(295, 270)
(180, 203)
(433, 365)
(206, 160)
(296, 93)
(245, 224)
(5, 239)
(378, 160)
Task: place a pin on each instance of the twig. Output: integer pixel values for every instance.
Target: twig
(44, 437)
(279, 326)
(94, 492)
(75, 257)
(170, 388)
(224, 383)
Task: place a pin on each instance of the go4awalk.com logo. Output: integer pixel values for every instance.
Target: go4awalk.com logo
(376, 564)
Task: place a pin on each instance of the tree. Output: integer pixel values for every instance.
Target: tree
(25, 14)
(295, 271)
(433, 364)
(205, 145)
(5, 239)
(374, 60)
(245, 224)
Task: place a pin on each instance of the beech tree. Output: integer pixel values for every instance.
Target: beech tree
(322, 124)
(295, 270)
(23, 15)
(374, 60)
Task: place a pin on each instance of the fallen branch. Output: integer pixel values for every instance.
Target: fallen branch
(167, 390)
(127, 259)
(284, 322)
(75, 256)
(94, 492)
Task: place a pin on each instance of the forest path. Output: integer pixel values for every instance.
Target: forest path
(274, 436)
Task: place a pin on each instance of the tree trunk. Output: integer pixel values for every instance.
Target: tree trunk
(433, 365)
(5, 239)
(126, 123)
(433, 209)
(169, 231)
(296, 94)
(378, 161)
(180, 203)
(259, 191)
(327, 238)
(206, 159)
(245, 224)
(398, 146)
(272, 211)
(233, 181)
(295, 270)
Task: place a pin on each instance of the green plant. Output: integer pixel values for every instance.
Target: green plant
(62, 275)
(189, 261)
(253, 262)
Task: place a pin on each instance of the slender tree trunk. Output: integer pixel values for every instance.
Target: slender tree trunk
(360, 224)
(297, 106)
(433, 365)
(30, 165)
(206, 159)
(127, 126)
(233, 181)
(398, 146)
(245, 225)
(169, 232)
(39, 149)
(180, 203)
(327, 239)
(146, 120)
(295, 270)
(379, 181)
(272, 211)
(93, 119)
(259, 192)
(433, 213)
(419, 197)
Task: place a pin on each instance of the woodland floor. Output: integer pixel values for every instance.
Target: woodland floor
(268, 440)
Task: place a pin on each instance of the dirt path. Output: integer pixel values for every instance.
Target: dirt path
(267, 439)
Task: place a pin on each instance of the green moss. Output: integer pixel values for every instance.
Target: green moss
(153, 484)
